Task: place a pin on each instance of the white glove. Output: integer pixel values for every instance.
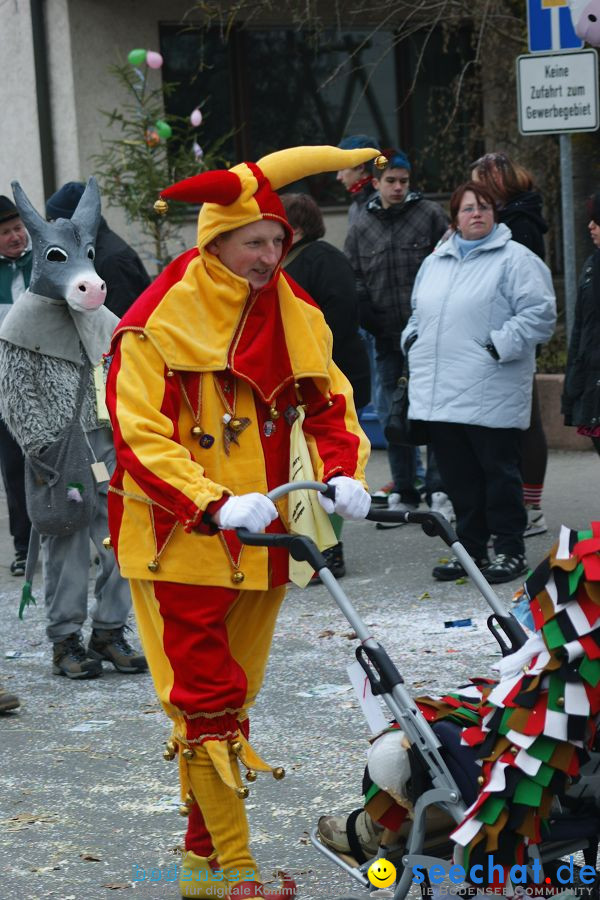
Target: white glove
(351, 499)
(251, 511)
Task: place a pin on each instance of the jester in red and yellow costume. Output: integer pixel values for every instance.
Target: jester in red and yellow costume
(209, 367)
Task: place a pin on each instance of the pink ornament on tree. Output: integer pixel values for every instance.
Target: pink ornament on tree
(196, 117)
(153, 59)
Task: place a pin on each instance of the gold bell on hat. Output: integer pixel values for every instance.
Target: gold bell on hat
(242, 792)
(381, 162)
(278, 773)
(161, 207)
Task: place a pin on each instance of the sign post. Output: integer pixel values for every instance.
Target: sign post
(558, 94)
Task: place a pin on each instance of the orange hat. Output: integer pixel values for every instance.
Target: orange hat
(246, 193)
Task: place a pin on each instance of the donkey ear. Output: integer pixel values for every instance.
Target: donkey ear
(32, 219)
(87, 214)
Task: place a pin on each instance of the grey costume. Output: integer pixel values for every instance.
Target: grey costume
(42, 343)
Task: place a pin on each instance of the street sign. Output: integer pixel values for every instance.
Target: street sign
(558, 92)
(550, 26)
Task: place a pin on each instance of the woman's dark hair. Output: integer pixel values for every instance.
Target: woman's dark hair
(481, 193)
(593, 207)
(501, 176)
(302, 212)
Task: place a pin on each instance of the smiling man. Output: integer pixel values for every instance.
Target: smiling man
(210, 367)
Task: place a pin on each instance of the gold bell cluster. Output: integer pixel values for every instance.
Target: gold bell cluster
(251, 774)
(184, 809)
(161, 207)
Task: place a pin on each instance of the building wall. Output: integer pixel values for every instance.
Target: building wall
(20, 158)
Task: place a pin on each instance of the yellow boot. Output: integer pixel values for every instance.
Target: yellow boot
(197, 878)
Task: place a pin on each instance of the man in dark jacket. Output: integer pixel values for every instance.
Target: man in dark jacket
(392, 235)
(15, 272)
(115, 262)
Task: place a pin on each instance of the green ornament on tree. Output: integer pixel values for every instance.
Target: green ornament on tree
(136, 57)
(164, 129)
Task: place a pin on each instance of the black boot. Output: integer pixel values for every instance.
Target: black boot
(334, 557)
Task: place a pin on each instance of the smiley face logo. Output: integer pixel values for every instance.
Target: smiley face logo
(382, 873)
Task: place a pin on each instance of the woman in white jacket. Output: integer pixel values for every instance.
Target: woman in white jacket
(481, 303)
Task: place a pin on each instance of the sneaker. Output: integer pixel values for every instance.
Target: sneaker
(355, 834)
(380, 497)
(396, 503)
(70, 659)
(112, 646)
(536, 523)
(334, 557)
(453, 569)
(8, 701)
(17, 566)
(441, 503)
(506, 568)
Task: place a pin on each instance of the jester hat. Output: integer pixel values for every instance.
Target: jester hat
(245, 193)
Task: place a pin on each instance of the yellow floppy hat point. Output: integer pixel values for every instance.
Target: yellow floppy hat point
(246, 193)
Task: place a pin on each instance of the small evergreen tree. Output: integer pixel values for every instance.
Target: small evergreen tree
(149, 150)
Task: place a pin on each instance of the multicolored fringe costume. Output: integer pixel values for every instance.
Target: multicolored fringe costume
(531, 729)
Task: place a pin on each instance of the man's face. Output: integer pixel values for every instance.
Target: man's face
(348, 177)
(393, 186)
(594, 230)
(13, 238)
(252, 251)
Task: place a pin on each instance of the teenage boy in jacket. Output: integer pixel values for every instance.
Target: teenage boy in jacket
(390, 238)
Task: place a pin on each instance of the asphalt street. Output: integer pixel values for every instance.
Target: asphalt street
(88, 805)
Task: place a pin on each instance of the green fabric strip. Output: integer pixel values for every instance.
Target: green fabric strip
(553, 635)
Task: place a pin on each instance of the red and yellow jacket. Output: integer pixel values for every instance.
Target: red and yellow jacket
(197, 345)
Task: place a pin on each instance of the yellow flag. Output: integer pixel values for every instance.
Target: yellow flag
(306, 515)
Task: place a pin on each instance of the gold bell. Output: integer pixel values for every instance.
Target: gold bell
(184, 810)
(278, 773)
(238, 577)
(170, 750)
(153, 565)
(235, 424)
(380, 162)
(189, 799)
(161, 207)
(251, 775)
(560, 701)
(242, 792)
(197, 431)
(188, 753)
(274, 412)
(107, 543)
(237, 747)
(480, 780)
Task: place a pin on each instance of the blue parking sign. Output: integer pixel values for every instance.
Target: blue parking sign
(550, 26)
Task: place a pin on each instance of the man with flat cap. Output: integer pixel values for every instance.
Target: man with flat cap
(15, 272)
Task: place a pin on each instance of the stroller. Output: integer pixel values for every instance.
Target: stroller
(445, 774)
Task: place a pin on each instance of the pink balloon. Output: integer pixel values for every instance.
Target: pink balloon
(196, 117)
(154, 59)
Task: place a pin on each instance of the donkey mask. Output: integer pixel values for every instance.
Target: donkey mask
(63, 251)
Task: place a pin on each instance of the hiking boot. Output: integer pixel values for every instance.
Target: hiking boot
(334, 557)
(506, 568)
(8, 701)
(112, 646)
(454, 569)
(355, 834)
(70, 659)
(17, 566)
(441, 503)
(536, 523)
(380, 497)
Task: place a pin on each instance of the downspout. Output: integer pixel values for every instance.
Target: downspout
(42, 82)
